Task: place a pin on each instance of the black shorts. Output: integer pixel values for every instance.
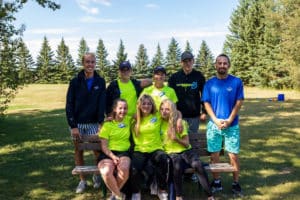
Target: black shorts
(117, 153)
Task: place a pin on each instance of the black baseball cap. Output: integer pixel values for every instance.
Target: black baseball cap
(125, 64)
(186, 55)
(159, 69)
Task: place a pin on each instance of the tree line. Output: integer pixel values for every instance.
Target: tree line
(263, 44)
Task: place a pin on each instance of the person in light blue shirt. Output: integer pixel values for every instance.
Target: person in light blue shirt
(223, 96)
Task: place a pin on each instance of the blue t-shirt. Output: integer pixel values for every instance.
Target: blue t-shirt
(222, 94)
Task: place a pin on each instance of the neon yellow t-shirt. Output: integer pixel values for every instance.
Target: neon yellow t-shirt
(117, 134)
(149, 138)
(169, 145)
(159, 94)
(127, 92)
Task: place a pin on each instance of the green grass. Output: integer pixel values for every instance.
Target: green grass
(36, 153)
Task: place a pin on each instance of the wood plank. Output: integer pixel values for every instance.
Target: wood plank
(220, 167)
(85, 170)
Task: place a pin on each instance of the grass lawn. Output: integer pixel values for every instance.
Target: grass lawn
(36, 153)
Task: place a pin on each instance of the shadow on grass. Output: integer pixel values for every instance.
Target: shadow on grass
(37, 155)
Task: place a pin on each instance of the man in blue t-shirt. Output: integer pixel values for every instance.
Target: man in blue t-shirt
(223, 96)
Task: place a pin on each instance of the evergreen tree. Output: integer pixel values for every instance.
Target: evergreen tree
(246, 35)
(45, 64)
(24, 62)
(9, 35)
(173, 57)
(102, 64)
(121, 56)
(205, 61)
(188, 47)
(142, 69)
(158, 58)
(64, 66)
(82, 50)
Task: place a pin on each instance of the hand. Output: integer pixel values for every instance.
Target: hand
(115, 159)
(203, 117)
(75, 133)
(179, 126)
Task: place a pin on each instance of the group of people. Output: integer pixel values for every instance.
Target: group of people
(144, 128)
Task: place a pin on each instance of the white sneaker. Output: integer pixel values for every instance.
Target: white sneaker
(136, 196)
(81, 187)
(162, 195)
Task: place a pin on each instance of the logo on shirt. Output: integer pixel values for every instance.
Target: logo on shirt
(229, 89)
(153, 120)
(96, 87)
(162, 93)
(121, 125)
(194, 85)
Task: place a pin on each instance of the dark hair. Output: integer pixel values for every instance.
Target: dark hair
(116, 101)
(223, 55)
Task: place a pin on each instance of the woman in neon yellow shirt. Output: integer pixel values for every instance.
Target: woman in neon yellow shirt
(148, 149)
(177, 146)
(115, 144)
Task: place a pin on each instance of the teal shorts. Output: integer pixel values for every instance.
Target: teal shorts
(215, 136)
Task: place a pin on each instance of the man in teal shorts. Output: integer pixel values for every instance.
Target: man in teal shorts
(223, 96)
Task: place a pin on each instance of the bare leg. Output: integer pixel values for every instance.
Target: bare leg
(78, 156)
(123, 171)
(234, 161)
(107, 167)
(215, 158)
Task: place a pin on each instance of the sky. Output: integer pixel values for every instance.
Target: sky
(135, 22)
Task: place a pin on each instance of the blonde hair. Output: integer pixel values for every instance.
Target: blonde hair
(172, 117)
(139, 112)
(87, 54)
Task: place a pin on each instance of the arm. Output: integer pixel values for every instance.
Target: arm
(107, 151)
(212, 115)
(184, 141)
(233, 113)
(146, 82)
(101, 104)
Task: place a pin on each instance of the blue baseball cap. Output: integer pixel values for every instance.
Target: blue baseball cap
(159, 69)
(125, 64)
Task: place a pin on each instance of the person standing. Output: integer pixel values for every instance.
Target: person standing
(126, 88)
(188, 85)
(85, 110)
(159, 91)
(178, 147)
(223, 96)
(114, 163)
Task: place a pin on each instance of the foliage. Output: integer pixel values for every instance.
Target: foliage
(158, 58)
(9, 35)
(102, 64)
(142, 69)
(173, 57)
(205, 61)
(121, 56)
(83, 49)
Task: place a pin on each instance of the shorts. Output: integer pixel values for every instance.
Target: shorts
(193, 124)
(215, 136)
(117, 153)
(87, 129)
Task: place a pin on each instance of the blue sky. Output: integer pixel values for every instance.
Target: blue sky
(136, 22)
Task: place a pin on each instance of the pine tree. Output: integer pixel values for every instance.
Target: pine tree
(45, 64)
(82, 50)
(64, 64)
(205, 61)
(158, 58)
(9, 35)
(102, 64)
(188, 47)
(24, 62)
(142, 69)
(173, 57)
(121, 56)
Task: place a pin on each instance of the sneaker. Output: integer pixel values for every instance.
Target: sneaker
(236, 188)
(81, 187)
(122, 197)
(136, 196)
(97, 181)
(216, 186)
(162, 195)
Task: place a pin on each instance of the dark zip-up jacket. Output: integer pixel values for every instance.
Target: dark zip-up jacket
(113, 93)
(83, 105)
(188, 88)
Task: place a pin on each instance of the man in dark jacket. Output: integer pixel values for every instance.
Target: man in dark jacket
(188, 85)
(85, 108)
(126, 88)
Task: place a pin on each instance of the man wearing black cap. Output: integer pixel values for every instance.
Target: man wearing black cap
(158, 91)
(188, 85)
(126, 88)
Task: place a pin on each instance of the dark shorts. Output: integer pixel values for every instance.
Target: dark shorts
(117, 153)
